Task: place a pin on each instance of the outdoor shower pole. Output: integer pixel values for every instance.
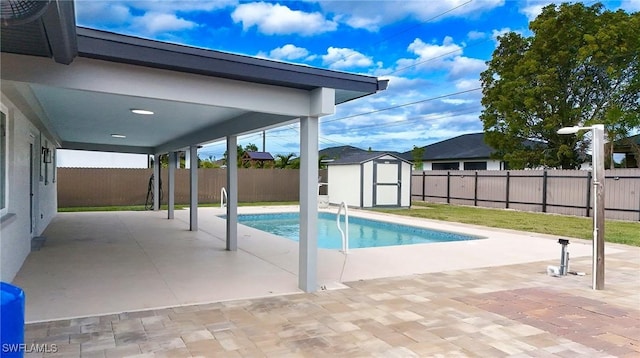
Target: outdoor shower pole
(597, 162)
(598, 204)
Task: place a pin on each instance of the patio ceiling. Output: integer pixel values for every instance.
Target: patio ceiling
(198, 96)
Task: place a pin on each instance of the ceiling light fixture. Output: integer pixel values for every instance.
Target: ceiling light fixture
(142, 111)
(119, 136)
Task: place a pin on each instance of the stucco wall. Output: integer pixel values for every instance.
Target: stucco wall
(15, 231)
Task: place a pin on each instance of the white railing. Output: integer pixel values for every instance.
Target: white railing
(223, 198)
(345, 233)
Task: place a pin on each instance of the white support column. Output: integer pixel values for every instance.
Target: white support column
(171, 184)
(232, 193)
(193, 188)
(308, 247)
(156, 182)
(187, 159)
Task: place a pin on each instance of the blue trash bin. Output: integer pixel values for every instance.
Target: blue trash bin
(12, 320)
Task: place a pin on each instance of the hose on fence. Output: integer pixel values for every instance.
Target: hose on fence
(148, 203)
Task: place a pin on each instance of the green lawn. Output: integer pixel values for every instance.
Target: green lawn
(623, 232)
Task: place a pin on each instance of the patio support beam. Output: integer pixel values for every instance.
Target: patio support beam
(193, 188)
(232, 194)
(156, 182)
(308, 249)
(171, 185)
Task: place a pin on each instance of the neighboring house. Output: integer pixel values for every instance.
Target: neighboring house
(339, 152)
(257, 159)
(630, 148)
(67, 87)
(464, 152)
(84, 159)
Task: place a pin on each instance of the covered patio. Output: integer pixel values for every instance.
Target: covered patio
(97, 263)
(93, 90)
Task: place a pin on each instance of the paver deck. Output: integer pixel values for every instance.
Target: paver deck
(504, 311)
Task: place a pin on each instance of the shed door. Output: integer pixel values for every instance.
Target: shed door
(386, 183)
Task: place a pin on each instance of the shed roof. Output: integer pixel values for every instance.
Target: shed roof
(359, 158)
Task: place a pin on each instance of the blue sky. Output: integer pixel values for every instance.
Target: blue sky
(431, 51)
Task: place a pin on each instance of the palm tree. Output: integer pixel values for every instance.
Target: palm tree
(284, 161)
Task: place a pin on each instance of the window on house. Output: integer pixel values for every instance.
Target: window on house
(3, 163)
(446, 166)
(475, 165)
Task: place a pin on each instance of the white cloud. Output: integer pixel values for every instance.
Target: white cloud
(630, 5)
(367, 14)
(462, 67)
(153, 23)
(533, 8)
(448, 49)
(341, 58)
(288, 52)
(102, 12)
(476, 35)
(155, 16)
(276, 19)
(430, 55)
(173, 6)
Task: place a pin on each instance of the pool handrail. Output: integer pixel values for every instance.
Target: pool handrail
(345, 236)
(224, 199)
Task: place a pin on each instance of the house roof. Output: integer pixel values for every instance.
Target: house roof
(258, 155)
(624, 144)
(466, 146)
(199, 96)
(340, 151)
(359, 158)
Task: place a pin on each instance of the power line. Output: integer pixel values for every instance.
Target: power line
(403, 105)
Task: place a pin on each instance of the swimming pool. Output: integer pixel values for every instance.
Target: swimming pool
(362, 232)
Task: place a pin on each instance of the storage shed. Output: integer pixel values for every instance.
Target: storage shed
(370, 179)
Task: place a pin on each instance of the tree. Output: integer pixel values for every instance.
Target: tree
(416, 154)
(580, 67)
(284, 161)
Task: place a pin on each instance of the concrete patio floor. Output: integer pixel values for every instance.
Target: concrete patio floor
(133, 283)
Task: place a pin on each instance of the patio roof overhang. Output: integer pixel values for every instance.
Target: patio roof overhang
(198, 96)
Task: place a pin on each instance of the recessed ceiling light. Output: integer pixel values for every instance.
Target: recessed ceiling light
(119, 136)
(142, 111)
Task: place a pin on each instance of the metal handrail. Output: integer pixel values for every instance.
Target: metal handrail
(224, 199)
(345, 233)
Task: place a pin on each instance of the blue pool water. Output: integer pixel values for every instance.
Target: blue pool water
(362, 232)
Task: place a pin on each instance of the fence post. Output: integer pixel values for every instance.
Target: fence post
(588, 206)
(544, 192)
(423, 186)
(475, 190)
(507, 198)
(448, 187)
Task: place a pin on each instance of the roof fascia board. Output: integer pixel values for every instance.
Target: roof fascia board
(107, 148)
(60, 25)
(117, 78)
(132, 50)
(243, 124)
